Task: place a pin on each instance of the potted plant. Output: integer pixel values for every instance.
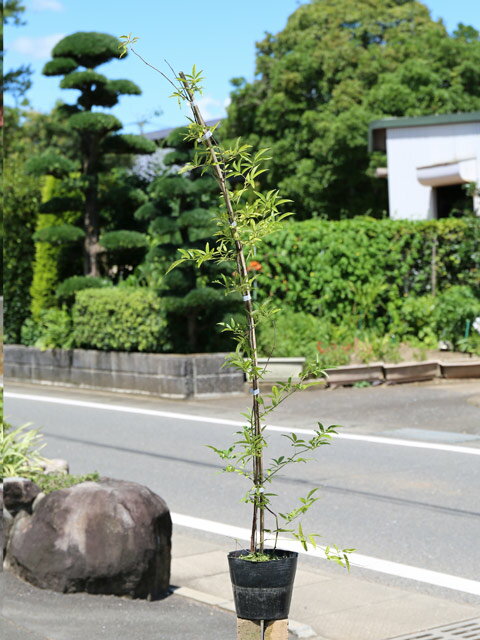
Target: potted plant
(262, 577)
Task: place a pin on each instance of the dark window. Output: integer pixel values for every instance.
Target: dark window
(453, 201)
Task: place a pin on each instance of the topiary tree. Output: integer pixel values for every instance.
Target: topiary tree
(97, 145)
(180, 215)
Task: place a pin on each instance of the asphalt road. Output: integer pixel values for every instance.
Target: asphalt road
(404, 504)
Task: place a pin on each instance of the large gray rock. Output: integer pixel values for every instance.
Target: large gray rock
(109, 537)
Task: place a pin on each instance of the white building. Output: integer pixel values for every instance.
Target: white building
(430, 161)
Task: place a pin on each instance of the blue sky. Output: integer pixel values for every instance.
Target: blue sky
(217, 35)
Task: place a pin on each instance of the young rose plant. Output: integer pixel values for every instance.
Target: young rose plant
(244, 217)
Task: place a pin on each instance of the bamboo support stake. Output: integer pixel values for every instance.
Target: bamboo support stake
(258, 514)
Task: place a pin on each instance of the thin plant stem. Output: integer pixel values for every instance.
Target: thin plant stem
(257, 537)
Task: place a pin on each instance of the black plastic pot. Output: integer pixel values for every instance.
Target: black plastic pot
(263, 590)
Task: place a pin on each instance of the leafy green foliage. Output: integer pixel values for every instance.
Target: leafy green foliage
(46, 261)
(181, 215)
(66, 290)
(21, 198)
(128, 143)
(119, 319)
(246, 217)
(49, 163)
(15, 81)
(60, 204)
(124, 87)
(456, 310)
(88, 49)
(59, 67)
(19, 450)
(360, 271)
(51, 330)
(59, 234)
(93, 148)
(48, 482)
(119, 240)
(335, 67)
(83, 80)
(94, 122)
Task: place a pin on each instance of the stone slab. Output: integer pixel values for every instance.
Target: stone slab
(410, 613)
(185, 570)
(461, 369)
(412, 371)
(355, 373)
(281, 369)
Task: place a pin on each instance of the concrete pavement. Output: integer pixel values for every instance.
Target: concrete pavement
(328, 604)
(29, 613)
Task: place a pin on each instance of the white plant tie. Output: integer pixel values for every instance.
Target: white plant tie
(207, 135)
(247, 297)
(255, 392)
(233, 224)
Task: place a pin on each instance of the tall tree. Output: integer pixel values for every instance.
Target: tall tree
(15, 81)
(180, 212)
(98, 145)
(338, 65)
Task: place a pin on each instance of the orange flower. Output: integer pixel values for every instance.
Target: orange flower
(254, 266)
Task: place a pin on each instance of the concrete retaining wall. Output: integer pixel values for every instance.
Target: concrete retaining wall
(165, 375)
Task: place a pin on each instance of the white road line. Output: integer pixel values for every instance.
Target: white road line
(356, 559)
(237, 423)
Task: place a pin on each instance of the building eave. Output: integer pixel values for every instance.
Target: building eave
(378, 128)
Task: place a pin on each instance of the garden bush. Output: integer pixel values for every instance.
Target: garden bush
(21, 201)
(119, 319)
(365, 269)
(302, 334)
(51, 330)
(456, 310)
(66, 291)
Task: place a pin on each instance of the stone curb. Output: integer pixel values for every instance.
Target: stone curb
(164, 375)
(298, 629)
(402, 372)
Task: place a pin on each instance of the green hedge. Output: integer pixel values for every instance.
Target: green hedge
(119, 319)
(21, 200)
(360, 271)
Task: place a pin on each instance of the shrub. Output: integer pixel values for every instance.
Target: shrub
(119, 240)
(49, 482)
(305, 335)
(336, 269)
(414, 318)
(21, 200)
(59, 234)
(66, 291)
(119, 319)
(456, 307)
(46, 260)
(52, 330)
(20, 451)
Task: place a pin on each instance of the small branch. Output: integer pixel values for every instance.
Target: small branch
(155, 69)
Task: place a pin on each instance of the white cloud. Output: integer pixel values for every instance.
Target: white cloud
(211, 108)
(36, 48)
(46, 5)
